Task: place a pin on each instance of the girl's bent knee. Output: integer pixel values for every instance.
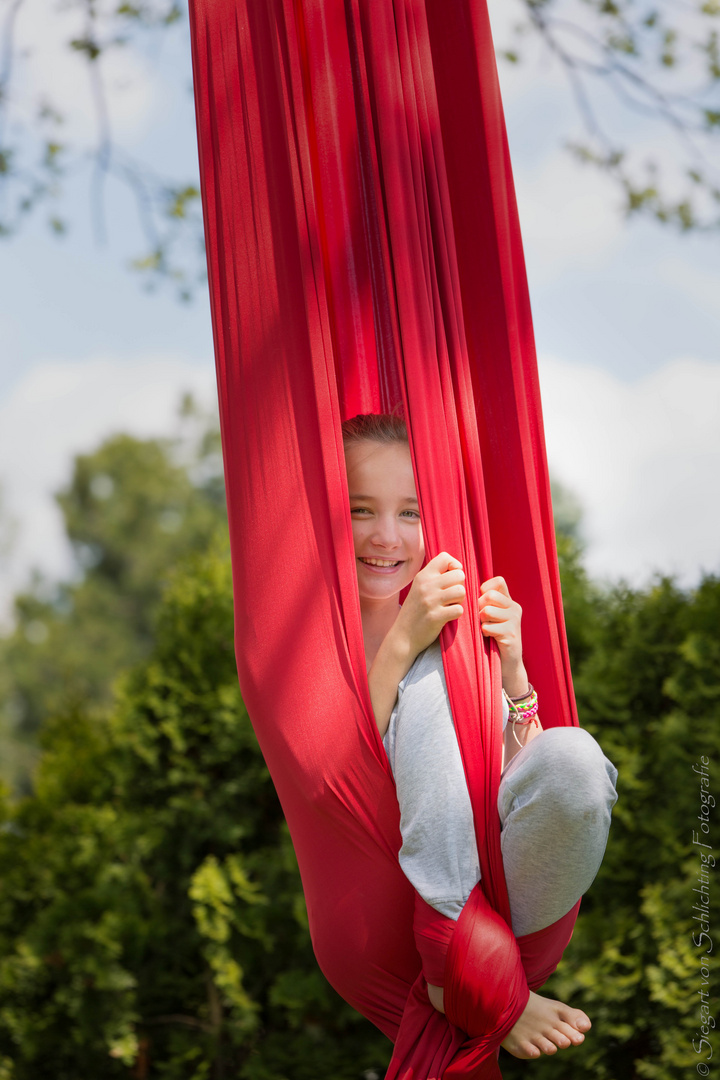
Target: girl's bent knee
(565, 768)
(570, 749)
(584, 779)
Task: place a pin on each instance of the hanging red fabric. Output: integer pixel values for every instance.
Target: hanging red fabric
(363, 252)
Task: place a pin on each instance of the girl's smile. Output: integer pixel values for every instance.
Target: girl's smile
(381, 566)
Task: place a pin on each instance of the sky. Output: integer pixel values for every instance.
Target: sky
(626, 313)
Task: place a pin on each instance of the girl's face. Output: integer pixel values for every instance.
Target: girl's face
(389, 547)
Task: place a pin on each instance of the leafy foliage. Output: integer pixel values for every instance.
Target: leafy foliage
(648, 689)
(152, 923)
(653, 60)
(152, 915)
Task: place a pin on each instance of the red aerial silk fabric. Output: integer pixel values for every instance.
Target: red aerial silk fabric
(364, 251)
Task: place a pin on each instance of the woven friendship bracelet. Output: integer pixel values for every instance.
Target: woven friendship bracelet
(523, 712)
(529, 694)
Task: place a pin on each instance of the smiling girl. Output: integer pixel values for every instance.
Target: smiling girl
(557, 788)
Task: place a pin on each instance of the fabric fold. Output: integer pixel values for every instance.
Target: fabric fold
(364, 254)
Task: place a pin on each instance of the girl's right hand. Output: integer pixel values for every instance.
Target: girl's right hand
(436, 597)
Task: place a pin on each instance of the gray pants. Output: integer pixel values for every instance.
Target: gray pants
(554, 802)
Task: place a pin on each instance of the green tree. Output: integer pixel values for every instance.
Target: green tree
(151, 913)
(132, 509)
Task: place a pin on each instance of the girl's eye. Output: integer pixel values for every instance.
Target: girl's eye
(412, 515)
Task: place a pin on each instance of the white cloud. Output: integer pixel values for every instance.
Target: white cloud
(644, 458)
(63, 408)
(568, 217)
(700, 285)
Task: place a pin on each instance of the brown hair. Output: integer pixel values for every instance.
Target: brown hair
(382, 428)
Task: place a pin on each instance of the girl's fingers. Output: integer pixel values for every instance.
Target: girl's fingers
(452, 578)
(505, 632)
(495, 597)
(497, 583)
(444, 562)
(494, 613)
(453, 593)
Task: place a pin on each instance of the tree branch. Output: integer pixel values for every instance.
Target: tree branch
(684, 114)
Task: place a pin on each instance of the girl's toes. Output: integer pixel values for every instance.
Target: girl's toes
(545, 1045)
(582, 1022)
(574, 1018)
(571, 1036)
(522, 1049)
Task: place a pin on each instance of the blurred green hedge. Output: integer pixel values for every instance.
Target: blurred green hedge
(152, 923)
(151, 916)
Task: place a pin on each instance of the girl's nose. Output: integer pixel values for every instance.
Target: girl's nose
(387, 533)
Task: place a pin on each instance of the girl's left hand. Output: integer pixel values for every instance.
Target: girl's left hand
(500, 616)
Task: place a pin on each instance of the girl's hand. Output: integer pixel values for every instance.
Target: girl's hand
(500, 616)
(436, 597)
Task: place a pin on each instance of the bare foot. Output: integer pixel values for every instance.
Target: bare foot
(545, 1027)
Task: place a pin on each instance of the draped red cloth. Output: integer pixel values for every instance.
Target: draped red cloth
(364, 251)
